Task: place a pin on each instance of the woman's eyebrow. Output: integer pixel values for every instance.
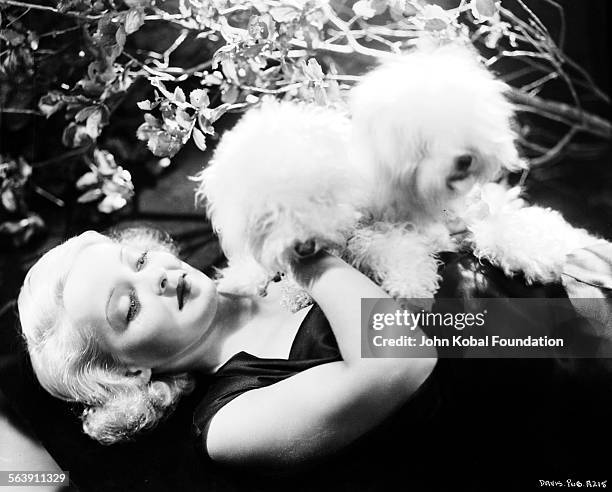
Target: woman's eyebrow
(108, 301)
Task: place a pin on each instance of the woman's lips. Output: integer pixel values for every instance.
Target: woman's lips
(182, 291)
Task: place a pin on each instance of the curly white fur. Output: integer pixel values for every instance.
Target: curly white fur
(399, 258)
(534, 241)
(427, 130)
(431, 127)
(281, 176)
(415, 116)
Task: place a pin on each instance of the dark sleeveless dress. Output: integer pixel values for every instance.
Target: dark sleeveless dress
(474, 424)
(313, 345)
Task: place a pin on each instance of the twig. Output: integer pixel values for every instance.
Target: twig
(16, 3)
(587, 121)
(524, 108)
(556, 150)
(177, 42)
(282, 90)
(61, 31)
(561, 41)
(12, 304)
(537, 84)
(352, 42)
(535, 18)
(344, 78)
(588, 79)
(52, 198)
(20, 111)
(63, 157)
(17, 18)
(146, 68)
(517, 74)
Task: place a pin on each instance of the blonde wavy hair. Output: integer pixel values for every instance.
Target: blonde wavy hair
(67, 359)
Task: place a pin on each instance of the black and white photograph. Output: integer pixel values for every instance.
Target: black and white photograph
(305, 245)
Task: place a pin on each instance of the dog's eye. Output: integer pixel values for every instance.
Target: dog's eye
(463, 162)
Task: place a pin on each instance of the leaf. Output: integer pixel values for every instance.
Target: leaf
(145, 105)
(379, 6)
(156, 82)
(257, 29)
(313, 70)
(92, 125)
(320, 96)
(68, 135)
(145, 131)
(138, 3)
(219, 111)
(162, 144)
(364, 9)
(12, 37)
(33, 40)
(152, 120)
(84, 113)
(229, 70)
(91, 87)
(253, 51)
(24, 168)
(230, 94)
(183, 119)
(8, 200)
(435, 25)
(205, 124)
(484, 9)
(214, 78)
(120, 37)
(90, 196)
(105, 162)
(51, 103)
(284, 13)
(112, 203)
(179, 95)
(134, 20)
(199, 139)
(185, 8)
(88, 179)
(75, 135)
(199, 98)
(333, 90)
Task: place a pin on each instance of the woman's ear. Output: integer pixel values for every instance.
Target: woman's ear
(141, 373)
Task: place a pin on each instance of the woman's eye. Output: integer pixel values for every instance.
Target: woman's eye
(142, 260)
(133, 308)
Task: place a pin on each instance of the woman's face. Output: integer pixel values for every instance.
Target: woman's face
(148, 309)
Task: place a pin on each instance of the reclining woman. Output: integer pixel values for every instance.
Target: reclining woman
(118, 323)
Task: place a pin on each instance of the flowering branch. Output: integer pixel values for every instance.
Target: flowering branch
(312, 50)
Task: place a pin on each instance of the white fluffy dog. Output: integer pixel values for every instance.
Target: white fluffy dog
(433, 127)
(429, 131)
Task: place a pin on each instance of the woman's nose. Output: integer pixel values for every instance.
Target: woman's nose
(163, 283)
(157, 279)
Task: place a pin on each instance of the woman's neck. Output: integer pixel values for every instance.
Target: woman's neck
(211, 351)
(233, 313)
(257, 325)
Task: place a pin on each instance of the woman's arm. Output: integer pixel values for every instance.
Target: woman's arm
(322, 409)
